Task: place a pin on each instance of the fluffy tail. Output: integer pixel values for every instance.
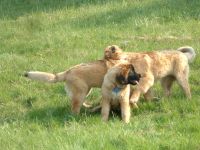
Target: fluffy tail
(189, 52)
(45, 77)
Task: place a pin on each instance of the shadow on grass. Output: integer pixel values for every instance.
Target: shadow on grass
(164, 11)
(61, 115)
(16, 8)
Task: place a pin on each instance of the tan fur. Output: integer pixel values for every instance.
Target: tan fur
(166, 66)
(112, 99)
(79, 80)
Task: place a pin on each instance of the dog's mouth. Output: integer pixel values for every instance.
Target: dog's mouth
(134, 82)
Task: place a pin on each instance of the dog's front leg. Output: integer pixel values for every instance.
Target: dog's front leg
(145, 83)
(125, 111)
(105, 110)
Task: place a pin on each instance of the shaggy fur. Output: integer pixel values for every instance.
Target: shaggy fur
(116, 90)
(166, 66)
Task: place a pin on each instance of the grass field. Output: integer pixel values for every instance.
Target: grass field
(52, 36)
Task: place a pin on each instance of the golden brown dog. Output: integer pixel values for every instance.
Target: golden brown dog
(79, 80)
(166, 66)
(116, 89)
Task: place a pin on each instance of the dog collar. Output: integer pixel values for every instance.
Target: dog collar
(116, 89)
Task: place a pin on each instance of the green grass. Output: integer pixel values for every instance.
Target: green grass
(52, 36)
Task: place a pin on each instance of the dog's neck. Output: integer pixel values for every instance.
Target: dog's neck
(116, 89)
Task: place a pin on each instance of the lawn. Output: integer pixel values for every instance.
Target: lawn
(49, 35)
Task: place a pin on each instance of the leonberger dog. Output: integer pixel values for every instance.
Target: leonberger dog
(167, 66)
(79, 80)
(116, 90)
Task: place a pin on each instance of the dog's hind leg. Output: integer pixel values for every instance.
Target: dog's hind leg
(77, 95)
(183, 82)
(166, 83)
(181, 74)
(76, 102)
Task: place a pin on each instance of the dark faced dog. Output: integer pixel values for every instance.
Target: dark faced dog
(116, 89)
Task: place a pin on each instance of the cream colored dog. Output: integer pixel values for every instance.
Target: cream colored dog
(166, 66)
(79, 80)
(116, 90)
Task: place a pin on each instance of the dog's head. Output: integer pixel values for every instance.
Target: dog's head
(112, 52)
(127, 75)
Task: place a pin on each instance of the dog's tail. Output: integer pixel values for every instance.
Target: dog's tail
(189, 52)
(46, 77)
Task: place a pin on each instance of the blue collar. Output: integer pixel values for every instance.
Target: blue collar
(116, 90)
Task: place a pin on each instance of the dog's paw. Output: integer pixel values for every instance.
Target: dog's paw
(87, 105)
(134, 105)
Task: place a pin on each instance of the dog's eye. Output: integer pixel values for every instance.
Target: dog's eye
(113, 49)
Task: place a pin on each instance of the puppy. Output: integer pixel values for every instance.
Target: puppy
(78, 80)
(166, 66)
(116, 90)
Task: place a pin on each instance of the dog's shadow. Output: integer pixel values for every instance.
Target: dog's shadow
(59, 114)
(62, 114)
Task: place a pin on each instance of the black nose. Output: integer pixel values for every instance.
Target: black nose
(133, 78)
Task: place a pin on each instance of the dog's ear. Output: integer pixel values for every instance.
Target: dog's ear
(113, 49)
(132, 71)
(132, 67)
